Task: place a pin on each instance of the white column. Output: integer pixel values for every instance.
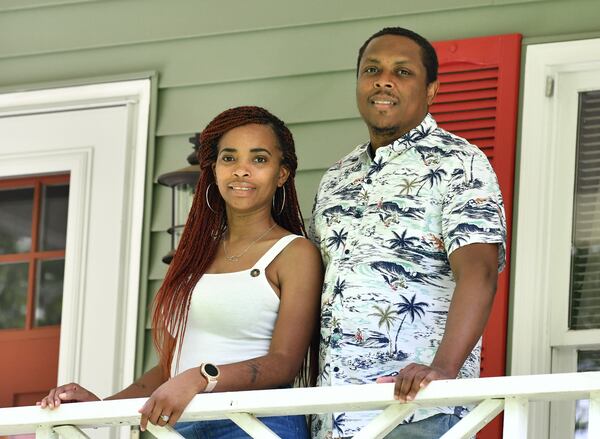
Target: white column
(516, 413)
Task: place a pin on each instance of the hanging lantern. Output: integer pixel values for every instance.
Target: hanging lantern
(182, 183)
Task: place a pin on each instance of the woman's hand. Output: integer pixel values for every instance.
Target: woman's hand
(167, 403)
(72, 392)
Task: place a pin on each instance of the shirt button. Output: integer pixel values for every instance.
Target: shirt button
(368, 181)
(347, 251)
(336, 369)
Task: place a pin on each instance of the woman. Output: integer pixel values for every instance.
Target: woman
(235, 311)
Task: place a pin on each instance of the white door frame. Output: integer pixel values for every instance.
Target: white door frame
(541, 209)
(135, 96)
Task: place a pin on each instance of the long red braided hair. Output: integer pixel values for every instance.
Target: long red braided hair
(201, 235)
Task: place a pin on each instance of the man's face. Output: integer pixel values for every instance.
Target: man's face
(391, 90)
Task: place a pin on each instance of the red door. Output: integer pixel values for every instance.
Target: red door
(33, 220)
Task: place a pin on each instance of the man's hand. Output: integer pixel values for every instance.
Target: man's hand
(167, 403)
(413, 378)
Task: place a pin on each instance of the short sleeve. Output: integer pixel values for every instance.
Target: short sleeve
(472, 208)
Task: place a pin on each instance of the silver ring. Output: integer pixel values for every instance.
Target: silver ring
(164, 417)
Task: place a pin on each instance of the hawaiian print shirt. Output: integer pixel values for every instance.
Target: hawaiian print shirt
(385, 228)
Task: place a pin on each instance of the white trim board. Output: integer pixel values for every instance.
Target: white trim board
(127, 103)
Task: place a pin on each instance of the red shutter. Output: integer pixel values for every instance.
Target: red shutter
(477, 100)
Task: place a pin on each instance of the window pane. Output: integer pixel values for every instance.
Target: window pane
(13, 294)
(587, 361)
(585, 260)
(16, 206)
(53, 224)
(48, 297)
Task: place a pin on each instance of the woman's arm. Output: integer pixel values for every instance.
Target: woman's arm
(299, 275)
(143, 386)
(73, 392)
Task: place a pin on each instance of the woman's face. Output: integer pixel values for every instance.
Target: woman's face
(248, 169)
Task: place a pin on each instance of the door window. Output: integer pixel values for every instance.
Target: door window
(584, 306)
(33, 228)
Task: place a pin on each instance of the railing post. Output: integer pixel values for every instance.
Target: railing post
(386, 421)
(166, 432)
(516, 414)
(45, 432)
(594, 415)
(476, 419)
(70, 432)
(252, 425)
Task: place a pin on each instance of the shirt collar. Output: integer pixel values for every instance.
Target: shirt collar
(405, 142)
(415, 135)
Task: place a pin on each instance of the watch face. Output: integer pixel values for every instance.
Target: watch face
(211, 369)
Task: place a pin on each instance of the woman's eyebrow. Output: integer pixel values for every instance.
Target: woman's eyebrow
(261, 150)
(227, 149)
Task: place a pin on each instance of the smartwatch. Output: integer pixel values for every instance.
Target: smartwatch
(211, 373)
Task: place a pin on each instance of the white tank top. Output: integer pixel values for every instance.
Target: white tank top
(231, 316)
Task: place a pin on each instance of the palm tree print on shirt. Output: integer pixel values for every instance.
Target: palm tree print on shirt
(337, 239)
(408, 308)
(433, 177)
(408, 185)
(386, 317)
(338, 289)
(402, 241)
(338, 423)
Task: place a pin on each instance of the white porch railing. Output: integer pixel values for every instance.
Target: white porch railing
(491, 396)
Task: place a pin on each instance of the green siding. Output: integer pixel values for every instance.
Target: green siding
(295, 58)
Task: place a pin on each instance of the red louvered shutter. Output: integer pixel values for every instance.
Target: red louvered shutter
(477, 100)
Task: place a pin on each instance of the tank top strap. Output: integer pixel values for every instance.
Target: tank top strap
(277, 248)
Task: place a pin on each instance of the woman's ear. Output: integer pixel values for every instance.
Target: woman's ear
(284, 174)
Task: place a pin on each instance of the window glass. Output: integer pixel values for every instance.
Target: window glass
(584, 310)
(16, 206)
(53, 224)
(48, 299)
(13, 294)
(587, 361)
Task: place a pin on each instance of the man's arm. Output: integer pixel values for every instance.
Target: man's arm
(475, 269)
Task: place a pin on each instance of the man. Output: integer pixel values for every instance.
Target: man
(411, 229)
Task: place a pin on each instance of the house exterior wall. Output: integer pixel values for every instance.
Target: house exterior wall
(295, 58)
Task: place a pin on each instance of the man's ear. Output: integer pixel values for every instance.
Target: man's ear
(284, 174)
(432, 89)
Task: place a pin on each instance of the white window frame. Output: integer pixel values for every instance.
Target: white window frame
(540, 260)
(135, 95)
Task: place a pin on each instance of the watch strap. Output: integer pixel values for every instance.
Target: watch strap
(211, 379)
(212, 382)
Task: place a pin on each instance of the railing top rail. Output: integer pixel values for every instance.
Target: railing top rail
(308, 400)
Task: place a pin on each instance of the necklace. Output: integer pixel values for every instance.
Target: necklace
(236, 258)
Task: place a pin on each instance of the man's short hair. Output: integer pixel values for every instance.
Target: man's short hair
(428, 55)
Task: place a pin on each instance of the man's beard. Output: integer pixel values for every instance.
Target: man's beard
(385, 131)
